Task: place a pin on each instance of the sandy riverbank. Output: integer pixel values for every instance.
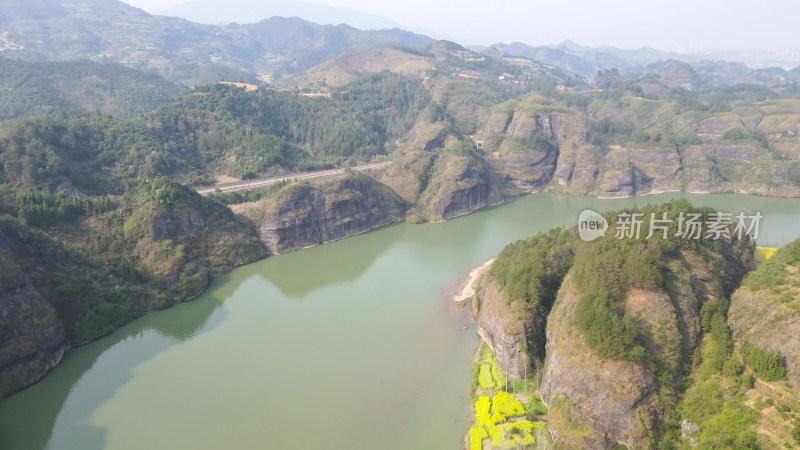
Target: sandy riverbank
(468, 290)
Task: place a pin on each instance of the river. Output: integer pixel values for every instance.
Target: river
(348, 345)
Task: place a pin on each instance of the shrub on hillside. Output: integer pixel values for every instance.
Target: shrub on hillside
(767, 365)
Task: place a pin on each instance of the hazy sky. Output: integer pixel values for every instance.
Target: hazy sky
(664, 24)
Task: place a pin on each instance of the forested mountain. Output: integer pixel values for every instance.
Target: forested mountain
(29, 89)
(99, 223)
(273, 49)
(648, 343)
(75, 269)
(109, 30)
(213, 130)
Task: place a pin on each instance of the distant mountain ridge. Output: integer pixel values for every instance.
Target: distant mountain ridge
(274, 50)
(631, 64)
(250, 11)
(587, 61)
(109, 30)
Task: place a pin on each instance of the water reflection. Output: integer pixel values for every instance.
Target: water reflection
(334, 263)
(40, 406)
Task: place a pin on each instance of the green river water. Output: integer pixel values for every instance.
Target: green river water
(349, 345)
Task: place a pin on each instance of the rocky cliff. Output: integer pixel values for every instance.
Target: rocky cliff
(612, 149)
(743, 168)
(594, 402)
(503, 331)
(303, 215)
(616, 171)
(459, 184)
(630, 147)
(600, 402)
(522, 144)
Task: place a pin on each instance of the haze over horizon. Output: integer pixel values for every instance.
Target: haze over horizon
(680, 25)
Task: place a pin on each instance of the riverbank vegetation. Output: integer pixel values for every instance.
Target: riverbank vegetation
(765, 253)
(506, 411)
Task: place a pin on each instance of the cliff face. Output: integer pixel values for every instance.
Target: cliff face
(532, 147)
(616, 183)
(617, 171)
(599, 402)
(577, 169)
(305, 215)
(459, 185)
(714, 168)
(595, 402)
(529, 168)
(719, 168)
(524, 147)
(536, 146)
(551, 126)
(502, 331)
(32, 339)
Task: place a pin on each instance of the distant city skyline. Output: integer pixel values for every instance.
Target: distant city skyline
(671, 26)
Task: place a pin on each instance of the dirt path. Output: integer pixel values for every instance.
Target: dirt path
(247, 185)
(468, 291)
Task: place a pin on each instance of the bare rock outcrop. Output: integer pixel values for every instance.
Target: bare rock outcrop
(459, 184)
(304, 215)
